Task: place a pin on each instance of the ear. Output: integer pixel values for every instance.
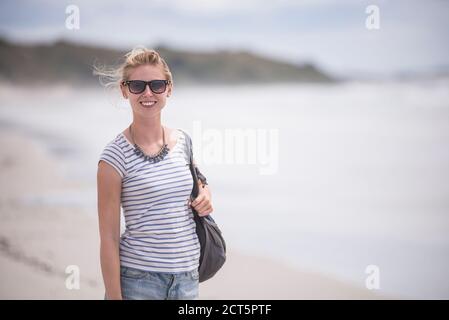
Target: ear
(169, 90)
(123, 89)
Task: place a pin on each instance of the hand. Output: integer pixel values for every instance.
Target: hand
(202, 204)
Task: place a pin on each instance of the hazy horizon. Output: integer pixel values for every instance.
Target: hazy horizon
(330, 34)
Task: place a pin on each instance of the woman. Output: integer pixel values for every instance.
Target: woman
(144, 169)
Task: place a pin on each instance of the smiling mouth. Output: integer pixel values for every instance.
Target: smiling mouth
(147, 103)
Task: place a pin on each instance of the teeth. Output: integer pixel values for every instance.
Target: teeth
(148, 103)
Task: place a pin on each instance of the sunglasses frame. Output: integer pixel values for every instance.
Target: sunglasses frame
(147, 83)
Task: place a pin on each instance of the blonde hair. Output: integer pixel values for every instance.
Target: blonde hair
(138, 56)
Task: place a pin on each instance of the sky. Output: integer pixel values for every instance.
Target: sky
(412, 35)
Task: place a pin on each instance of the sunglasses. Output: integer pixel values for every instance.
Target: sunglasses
(138, 86)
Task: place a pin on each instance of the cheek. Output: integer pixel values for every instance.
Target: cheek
(133, 101)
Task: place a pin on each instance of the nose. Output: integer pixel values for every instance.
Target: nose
(147, 91)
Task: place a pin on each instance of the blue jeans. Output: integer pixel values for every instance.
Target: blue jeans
(145, 285)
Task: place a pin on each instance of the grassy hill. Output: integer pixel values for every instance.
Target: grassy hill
(65, 62)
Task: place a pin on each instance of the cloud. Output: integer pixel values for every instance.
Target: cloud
(329, 32)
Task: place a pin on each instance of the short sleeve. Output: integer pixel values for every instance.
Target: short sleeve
(113, 155)
(188, 140)
(187, 144)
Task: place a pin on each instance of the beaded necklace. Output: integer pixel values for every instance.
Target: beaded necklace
(160, 155)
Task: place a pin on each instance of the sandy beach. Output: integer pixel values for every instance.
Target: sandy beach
(39, 241)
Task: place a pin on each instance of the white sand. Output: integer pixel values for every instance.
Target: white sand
(38, 242)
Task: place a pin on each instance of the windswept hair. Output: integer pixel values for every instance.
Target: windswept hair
(112, 76)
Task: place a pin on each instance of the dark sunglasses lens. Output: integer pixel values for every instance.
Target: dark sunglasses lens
(157, 86)
(136, 86)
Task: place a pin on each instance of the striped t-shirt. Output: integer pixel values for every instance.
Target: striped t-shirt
(160, 231)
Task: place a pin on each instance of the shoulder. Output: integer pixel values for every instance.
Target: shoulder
(173, 134)
(183, 134)
(117, 144)
(114, 155)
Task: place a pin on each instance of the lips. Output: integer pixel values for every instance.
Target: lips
(147, 103)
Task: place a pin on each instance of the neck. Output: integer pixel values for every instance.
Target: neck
(147, 132)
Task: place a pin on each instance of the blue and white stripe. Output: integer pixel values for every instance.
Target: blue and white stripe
(160, 231)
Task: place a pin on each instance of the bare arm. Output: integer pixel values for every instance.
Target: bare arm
(109, 193)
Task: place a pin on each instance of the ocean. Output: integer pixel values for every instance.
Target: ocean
(328, 178)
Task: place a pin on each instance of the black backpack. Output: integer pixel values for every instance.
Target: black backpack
(213, 246)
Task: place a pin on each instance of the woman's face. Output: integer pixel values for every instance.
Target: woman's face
(141, 103)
